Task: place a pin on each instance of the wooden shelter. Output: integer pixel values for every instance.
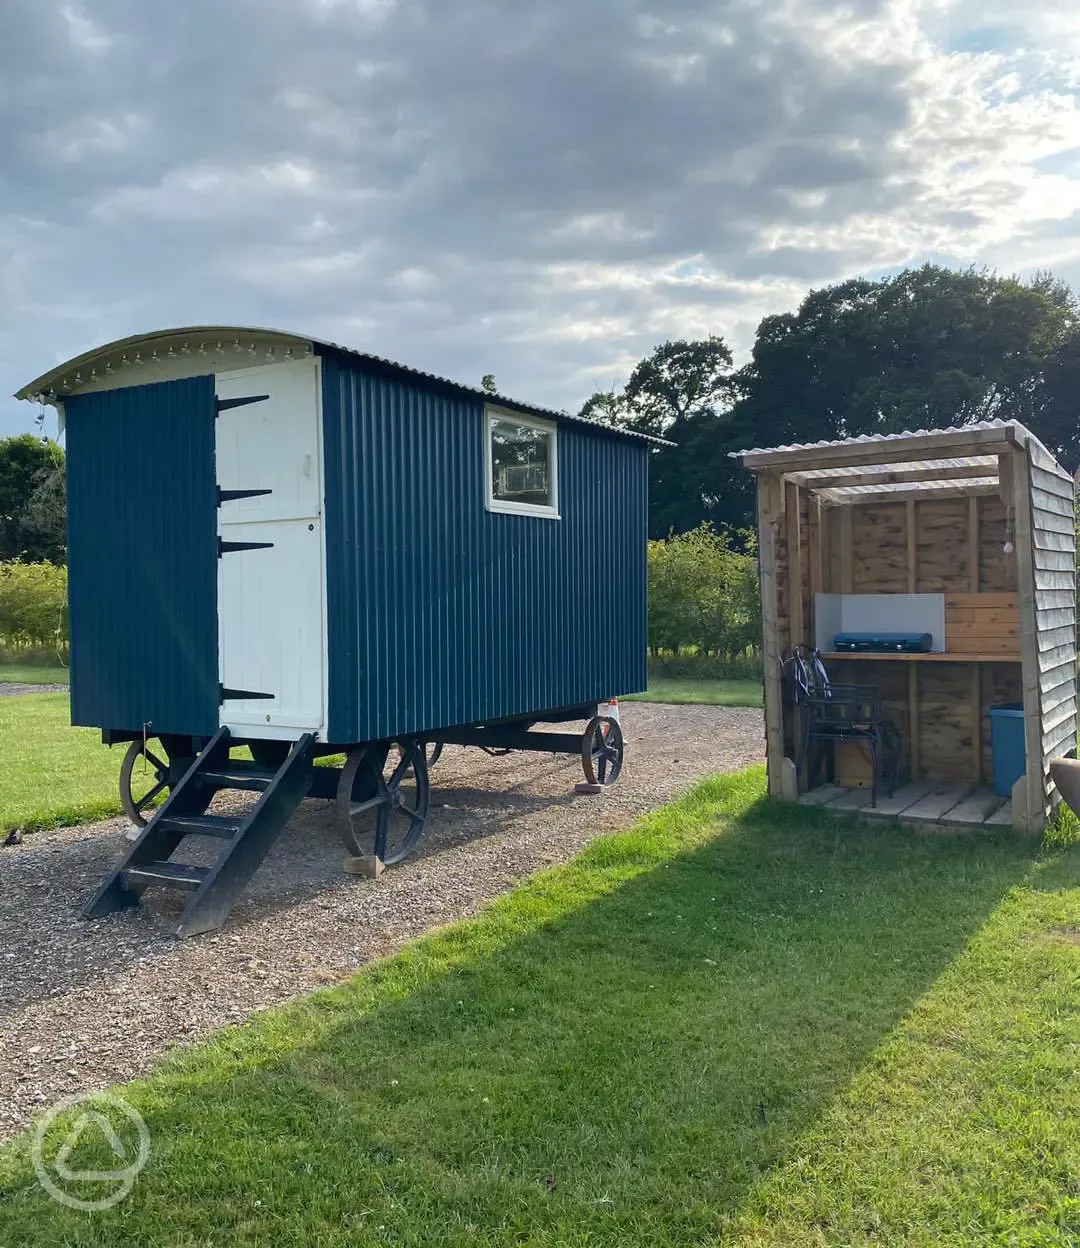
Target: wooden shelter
(970, 530)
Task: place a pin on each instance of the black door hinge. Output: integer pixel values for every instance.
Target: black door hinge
(227, 548)
(228, 496)
(223, 405)
(242, 695)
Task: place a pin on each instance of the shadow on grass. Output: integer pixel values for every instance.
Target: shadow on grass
(614, 1053)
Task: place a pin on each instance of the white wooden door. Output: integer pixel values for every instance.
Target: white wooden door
(271, 573)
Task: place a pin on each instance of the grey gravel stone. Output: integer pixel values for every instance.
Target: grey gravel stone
(9, 688)
(84, 1004)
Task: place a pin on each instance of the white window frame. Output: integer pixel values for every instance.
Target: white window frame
(506, 507)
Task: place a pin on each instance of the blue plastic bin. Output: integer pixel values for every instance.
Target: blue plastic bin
(1007, 736)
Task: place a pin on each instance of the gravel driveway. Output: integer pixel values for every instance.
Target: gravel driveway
(84, 1004)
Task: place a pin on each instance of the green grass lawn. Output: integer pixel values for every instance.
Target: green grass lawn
(738, 1023)
(50, 773)
(33, 673)
(692, 692)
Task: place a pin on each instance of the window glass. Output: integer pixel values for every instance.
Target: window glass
(522, 463)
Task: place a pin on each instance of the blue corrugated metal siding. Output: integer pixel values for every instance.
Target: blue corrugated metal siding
(142, 557)
(442, 613)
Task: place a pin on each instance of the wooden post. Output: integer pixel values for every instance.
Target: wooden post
(769, 495)
(973, 544)
(796, 596)
(816, 542)
(913, 667)
(976, 684)
(912, 548)
(1028, 816)
(847, 549)
(913, 718)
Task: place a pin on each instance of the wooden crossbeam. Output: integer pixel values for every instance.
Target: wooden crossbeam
(983, 466)
(944, 489)
(950, 444)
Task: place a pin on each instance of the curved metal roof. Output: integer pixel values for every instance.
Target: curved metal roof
(67, 378)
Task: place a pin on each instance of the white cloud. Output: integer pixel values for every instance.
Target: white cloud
(83, 31)
(539, 191)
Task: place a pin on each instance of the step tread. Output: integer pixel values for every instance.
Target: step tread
(237, 775)
(205, 825)
(179, 874)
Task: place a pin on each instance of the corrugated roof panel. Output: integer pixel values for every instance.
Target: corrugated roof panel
(50, 382)
(868, 439)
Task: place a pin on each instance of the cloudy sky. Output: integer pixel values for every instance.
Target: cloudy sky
(543, 191)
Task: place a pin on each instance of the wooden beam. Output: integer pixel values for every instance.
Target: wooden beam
(953, 444)
(913, 720)
(1028, 815)
(976, 723)
(973, 544)
(1005, 478)
(816, 541)
(912, 548)
(796, 582)
(837, 497)
(769, 492)
(847, 553)
(985, 466)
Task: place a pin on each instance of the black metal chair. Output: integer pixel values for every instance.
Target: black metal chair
(832, 712)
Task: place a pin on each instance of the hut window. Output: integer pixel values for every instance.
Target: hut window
(522, 473)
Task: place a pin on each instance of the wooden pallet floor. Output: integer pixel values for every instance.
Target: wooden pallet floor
(954, 805)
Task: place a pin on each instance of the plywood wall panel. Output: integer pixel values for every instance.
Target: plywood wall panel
(944, 557)
(997, 570)
(879, 548)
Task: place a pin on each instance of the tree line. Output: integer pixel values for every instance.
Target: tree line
(927, 348)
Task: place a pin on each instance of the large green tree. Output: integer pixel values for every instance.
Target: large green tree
(928, 348)
(683, 391)
(32, 516)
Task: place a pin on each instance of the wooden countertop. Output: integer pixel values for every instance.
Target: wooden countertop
(893, 656)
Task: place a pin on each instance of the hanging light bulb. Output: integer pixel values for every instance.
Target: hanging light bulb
(202, 348)
(236, 346)
(108, 368)
(269, 353)
(172, 353)
(220, 349)
(185, 349)
(288, 354)
(1009, 546)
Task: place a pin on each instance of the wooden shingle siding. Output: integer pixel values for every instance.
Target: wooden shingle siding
(1054, 571)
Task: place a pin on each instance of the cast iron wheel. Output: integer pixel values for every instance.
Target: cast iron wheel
(602, 750)
(140, 786)
(382, 801)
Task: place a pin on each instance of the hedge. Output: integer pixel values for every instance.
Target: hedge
(703, 594)
(33, 607)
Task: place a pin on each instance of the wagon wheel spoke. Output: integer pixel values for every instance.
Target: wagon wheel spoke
(359, 807)
(152, 758)
(399, 772)
(148, 797)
